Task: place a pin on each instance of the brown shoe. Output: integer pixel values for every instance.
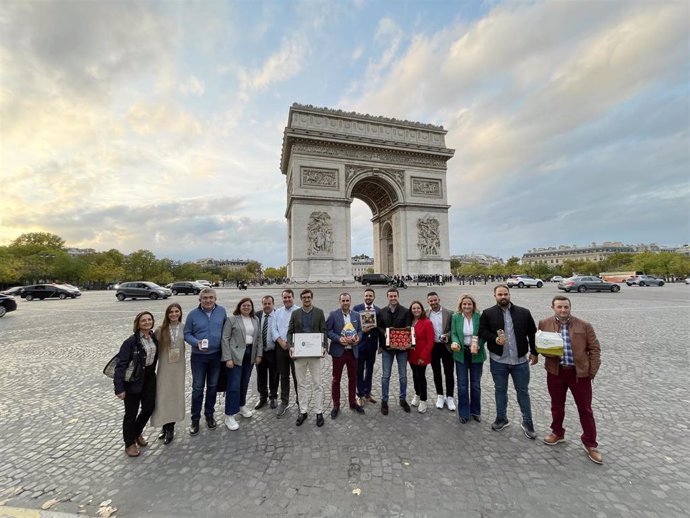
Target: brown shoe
(594, 455)
(552, 439)
(369, 398)
(141, 441)
(132, 450)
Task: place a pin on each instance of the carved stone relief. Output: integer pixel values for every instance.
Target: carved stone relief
(320, 233)
(428, 241)
(426, 187)
(319, 178)
(398, 175)
(336, 151)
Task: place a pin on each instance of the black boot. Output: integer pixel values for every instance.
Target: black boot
(169, 434)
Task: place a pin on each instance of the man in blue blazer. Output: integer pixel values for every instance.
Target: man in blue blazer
(368, 348)
(345, 333)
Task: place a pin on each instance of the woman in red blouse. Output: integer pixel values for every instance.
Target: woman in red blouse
(420, 356)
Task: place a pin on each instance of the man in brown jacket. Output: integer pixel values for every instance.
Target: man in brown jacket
(575, 370)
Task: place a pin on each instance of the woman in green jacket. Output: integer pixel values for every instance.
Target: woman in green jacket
(469, 354)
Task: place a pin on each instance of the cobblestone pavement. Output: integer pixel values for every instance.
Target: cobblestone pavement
(60, 434)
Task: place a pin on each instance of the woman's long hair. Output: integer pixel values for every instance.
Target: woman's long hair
(164, 338)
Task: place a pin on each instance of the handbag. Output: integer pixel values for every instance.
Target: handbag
(132, 373)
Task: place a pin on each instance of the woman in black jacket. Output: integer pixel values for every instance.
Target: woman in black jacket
(140, 391)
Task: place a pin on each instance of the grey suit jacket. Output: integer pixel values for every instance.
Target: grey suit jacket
(233, 344)
(446, 320)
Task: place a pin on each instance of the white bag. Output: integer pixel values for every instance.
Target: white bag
(549, 344)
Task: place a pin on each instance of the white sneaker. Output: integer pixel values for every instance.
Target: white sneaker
(245, 412)
(440, 401)
(231, 423)
(415, 401)
(451, 403)
(422, 407)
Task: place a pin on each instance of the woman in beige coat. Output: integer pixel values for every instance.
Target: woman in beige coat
(170, 400)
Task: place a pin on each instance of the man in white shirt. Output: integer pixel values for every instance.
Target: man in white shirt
(441, 354)
(279, 332)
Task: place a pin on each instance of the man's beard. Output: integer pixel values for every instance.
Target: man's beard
(503, 302)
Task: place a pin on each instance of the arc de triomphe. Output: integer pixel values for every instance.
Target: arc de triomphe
(398, 168)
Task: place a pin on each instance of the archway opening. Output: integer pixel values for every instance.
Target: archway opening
(362, 238)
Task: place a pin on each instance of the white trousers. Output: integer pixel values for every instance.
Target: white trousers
(314, 367)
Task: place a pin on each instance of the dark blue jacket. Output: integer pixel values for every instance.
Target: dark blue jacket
(370, 340)
(335, 324)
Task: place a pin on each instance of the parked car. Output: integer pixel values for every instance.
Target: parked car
(376, 278)
(17, 290)
(141, 289)
(687, 280)
(203, 282)
(583, 283)
(644, 280)
(49, 291)
(524, 281)
(185, 287)
(242, 285)
(556, 278)
(7, 304)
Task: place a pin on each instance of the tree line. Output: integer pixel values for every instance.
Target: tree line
(42, 257)
(662, 264)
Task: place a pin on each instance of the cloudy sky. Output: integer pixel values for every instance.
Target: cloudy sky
(159, 125)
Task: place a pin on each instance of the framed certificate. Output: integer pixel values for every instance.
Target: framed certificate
(400, 338)
(368, 318)
(307, 345)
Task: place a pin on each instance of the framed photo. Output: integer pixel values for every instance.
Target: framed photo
(400, 338)
(368, 318)
(307, 345)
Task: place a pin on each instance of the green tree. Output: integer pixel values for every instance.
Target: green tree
(35, 242)
(277, 273)
(10, 266)
(141, 265)
(512, 266)
(253, 268)
(189, 272)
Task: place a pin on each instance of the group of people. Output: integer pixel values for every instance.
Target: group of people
(225, 349)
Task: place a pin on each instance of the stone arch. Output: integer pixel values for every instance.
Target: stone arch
(375, 188)
(397, 168)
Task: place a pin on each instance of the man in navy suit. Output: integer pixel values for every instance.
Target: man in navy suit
(368, 349)
(345, 333)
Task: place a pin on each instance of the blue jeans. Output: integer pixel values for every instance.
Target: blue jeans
(246, 375)
(387, 359)
(238, 382)
(520, 375)
(205, 372)
(469, 377)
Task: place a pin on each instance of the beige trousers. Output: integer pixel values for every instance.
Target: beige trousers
(313, 365)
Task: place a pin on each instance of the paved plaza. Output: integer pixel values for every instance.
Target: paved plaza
(61, 433)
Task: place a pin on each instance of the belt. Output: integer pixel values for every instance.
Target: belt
(567, 367)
